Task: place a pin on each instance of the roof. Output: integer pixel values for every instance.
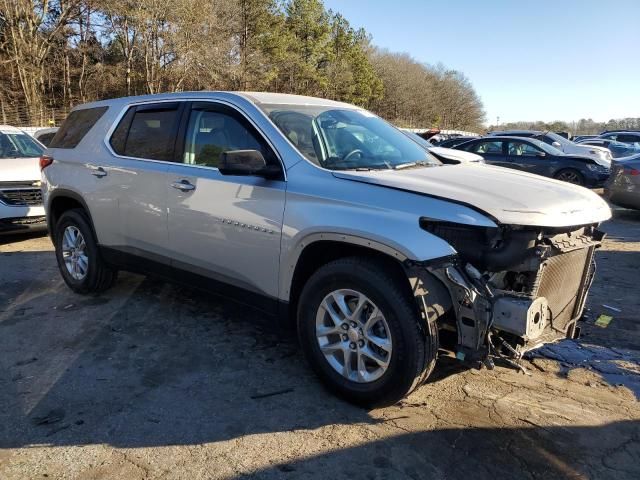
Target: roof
(9, 129)
(253, 97)
(289, 99)
(502, 132)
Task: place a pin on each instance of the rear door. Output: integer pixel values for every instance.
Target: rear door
(142, 145)
(492, 151)
(227, 228)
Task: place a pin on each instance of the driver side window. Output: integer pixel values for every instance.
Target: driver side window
(211, 133)
(522, 149)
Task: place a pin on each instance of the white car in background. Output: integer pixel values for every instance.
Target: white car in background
(445, 155)
(21, 206)
(45, 135)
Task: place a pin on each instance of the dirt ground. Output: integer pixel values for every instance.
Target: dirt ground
(156, 381)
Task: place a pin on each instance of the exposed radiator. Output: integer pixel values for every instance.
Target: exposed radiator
(563, 281)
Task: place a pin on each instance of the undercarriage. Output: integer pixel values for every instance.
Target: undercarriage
(509, 289)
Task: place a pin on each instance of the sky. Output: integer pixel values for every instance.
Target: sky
(544, 60)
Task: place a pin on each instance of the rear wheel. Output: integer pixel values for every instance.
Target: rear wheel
(361, 333)
(570, 175)
(79, 260)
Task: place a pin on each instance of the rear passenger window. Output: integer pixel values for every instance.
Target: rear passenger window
(76, 126)
(488, 147)
(147, 131)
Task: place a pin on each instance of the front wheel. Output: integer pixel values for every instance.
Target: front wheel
(361, 333)
(570, 175)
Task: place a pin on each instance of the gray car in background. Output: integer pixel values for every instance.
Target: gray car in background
(623, 186)
(323, 212)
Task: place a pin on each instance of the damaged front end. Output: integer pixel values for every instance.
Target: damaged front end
(510, 289)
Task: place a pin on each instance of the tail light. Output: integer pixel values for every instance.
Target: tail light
(45, 161)
(631, 171)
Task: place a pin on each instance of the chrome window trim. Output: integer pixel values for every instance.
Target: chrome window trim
(236, 108)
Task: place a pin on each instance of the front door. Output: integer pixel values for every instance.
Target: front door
(227, 228)
(528, 157)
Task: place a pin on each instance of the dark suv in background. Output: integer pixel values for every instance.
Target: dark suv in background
(533, 156)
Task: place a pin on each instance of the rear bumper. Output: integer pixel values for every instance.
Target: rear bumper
(623, 198)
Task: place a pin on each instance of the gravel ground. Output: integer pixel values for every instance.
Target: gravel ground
(156, 381)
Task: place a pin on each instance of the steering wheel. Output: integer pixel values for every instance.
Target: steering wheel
(351, 154)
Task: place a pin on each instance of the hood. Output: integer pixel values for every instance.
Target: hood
(509, 196)
(601, 155)
(19, 169)
(457, 155)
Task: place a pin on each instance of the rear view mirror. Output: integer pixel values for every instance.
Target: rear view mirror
(246, 162)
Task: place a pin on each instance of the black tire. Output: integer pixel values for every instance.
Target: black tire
(99, 276)
(415, 341)
(570, 175)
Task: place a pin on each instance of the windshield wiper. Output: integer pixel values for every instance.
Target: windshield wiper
(421, 163)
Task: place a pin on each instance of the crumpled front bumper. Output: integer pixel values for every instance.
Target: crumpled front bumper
(487, 318)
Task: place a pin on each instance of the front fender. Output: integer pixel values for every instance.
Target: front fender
(320, 207)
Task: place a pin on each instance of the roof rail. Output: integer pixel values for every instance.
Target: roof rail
(620, 130)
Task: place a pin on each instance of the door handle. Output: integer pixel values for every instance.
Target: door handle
(98, 171)
(183, 185)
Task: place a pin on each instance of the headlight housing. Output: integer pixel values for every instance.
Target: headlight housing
(595, 167)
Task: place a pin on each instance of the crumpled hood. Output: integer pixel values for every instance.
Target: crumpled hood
(19, 169)
(509, 196)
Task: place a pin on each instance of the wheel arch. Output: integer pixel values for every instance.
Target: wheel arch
(321, 248)
(59, 202)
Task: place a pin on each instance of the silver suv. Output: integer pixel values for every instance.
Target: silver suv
(324, 212)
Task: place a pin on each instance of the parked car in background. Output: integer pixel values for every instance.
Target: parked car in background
(45, 135)
(452, 142)
(622, 136)
(600, 154)
(578, 138)
(323, 211)
(21, 206)
(534, 156)
(445, 155)
(623, 186)
(617, 149)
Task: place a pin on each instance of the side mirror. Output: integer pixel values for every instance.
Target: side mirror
(541, 154)
(246, 162)
(557, 145)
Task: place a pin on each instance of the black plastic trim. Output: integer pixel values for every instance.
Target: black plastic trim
(148, 263)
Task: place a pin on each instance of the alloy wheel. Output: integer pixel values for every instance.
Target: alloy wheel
(74, 253)
(353, 336)
(570, 177)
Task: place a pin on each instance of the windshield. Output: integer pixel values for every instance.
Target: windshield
(551, 150)
(17, 145)
(345, 139)
(559, 138)
(418, 139)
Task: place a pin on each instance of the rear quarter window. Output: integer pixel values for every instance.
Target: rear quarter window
(76, 126)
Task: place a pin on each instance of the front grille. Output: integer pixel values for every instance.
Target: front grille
(21, 197)
(562, 280)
